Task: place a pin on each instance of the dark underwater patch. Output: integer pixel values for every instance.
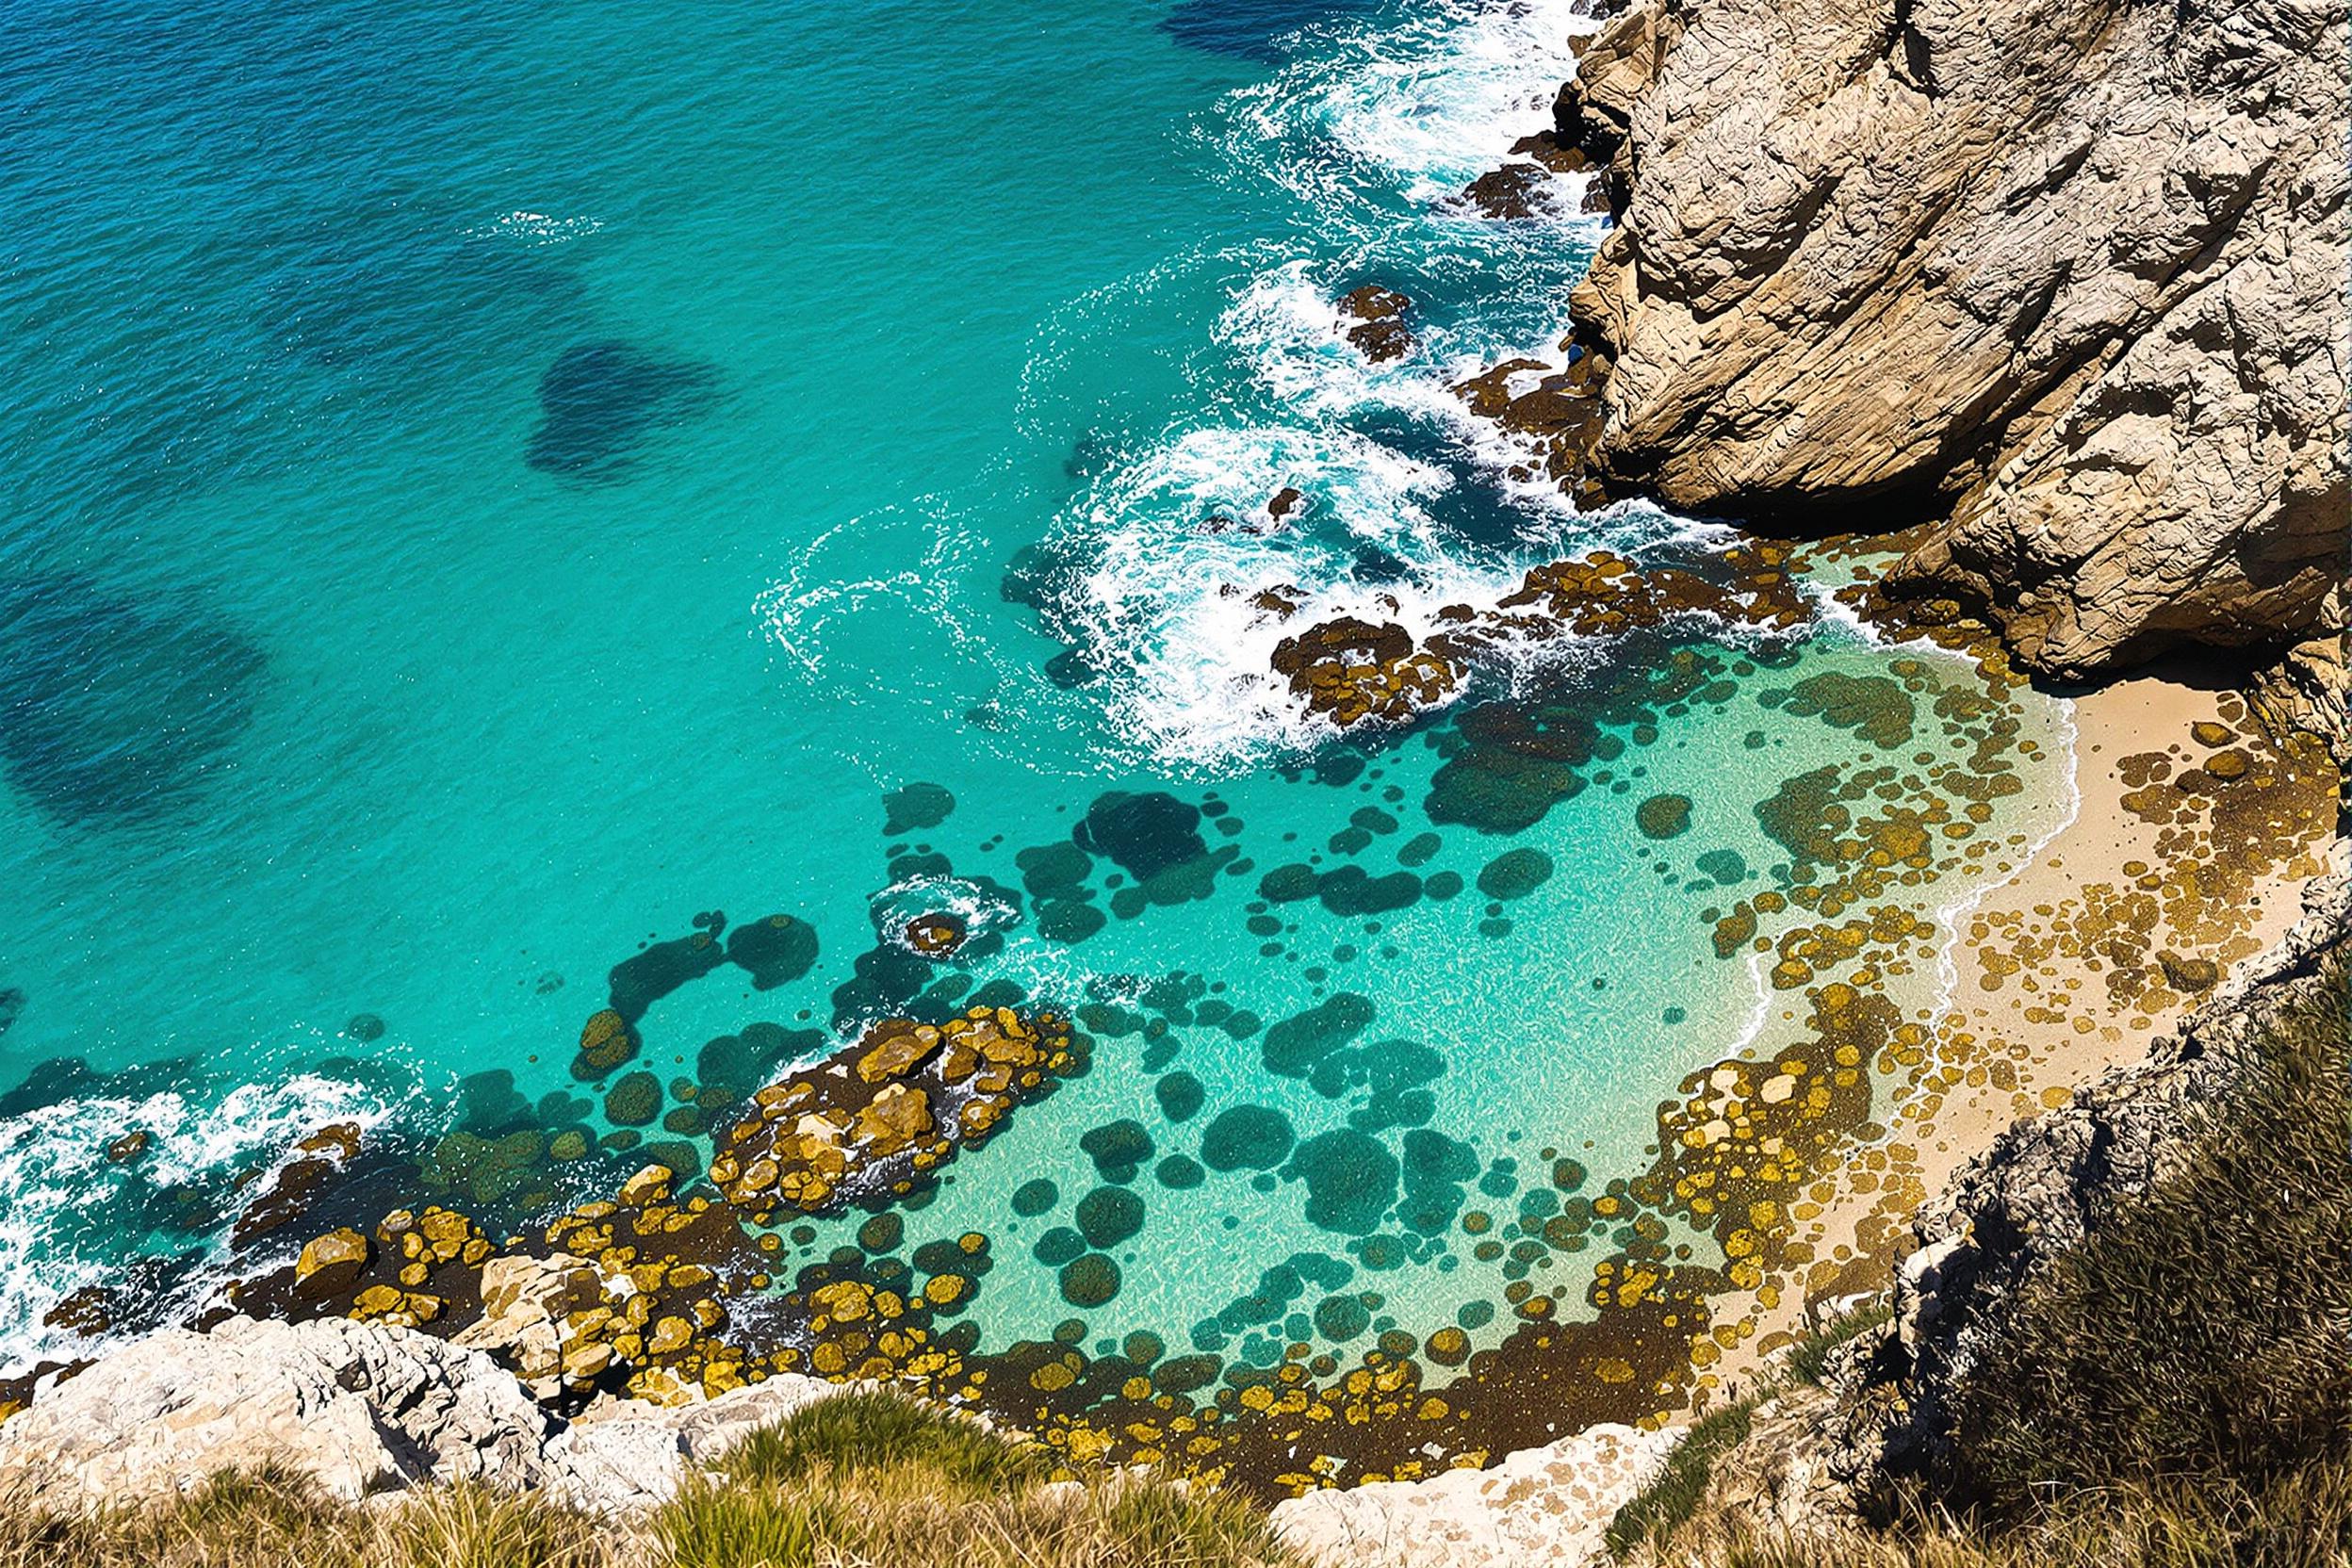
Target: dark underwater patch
(112, 710)
(600, 402)
(1145, 834)
(1249, 30)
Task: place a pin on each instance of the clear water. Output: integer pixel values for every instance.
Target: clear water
(488, 483)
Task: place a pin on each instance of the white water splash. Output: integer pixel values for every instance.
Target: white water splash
(69, 1205)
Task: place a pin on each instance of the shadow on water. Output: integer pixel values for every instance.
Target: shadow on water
(398, 284)
(113, 710)
(1250, 30)
(600, 402)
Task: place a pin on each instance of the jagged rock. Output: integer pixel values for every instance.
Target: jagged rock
(528, 1308)
(625, 1454)
(1512, 191)
(2064, 279)
(1381, 333)
(361, 1407)
(2310, 689)
(1546, 1505)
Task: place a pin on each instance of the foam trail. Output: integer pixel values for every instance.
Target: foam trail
(67, 1198)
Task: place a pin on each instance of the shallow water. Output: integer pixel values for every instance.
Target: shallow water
(492, 488)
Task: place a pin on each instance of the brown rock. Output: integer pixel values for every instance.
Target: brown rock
(2057, 279)
(1380, 331)
(897, 1117)
(1513, 191)
(332, 1264)
(87, 1311)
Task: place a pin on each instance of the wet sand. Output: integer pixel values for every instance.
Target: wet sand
(2191, 837)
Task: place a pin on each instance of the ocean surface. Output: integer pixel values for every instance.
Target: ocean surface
(490, 487)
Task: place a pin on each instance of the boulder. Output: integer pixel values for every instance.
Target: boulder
(530, 1307)
(360, 1407)
(331, 1263)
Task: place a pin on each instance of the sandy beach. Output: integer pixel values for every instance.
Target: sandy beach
(2190, 839)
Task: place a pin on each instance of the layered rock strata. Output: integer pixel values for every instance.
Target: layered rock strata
(2066, 280)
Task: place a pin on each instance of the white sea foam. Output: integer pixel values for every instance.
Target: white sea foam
(537, 228)
(1423, 108)
(63, 1200)
(1375, 131)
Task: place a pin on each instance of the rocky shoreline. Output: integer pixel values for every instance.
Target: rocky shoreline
(1969, 287)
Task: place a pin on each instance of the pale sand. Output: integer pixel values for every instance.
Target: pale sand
(2038, 1006)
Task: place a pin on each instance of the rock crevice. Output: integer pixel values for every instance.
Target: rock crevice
(2063, 281)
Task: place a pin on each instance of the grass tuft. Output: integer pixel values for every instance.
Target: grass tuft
(1658, 1509)
(874, 1431)
(1809, 1358)
(713, 1524)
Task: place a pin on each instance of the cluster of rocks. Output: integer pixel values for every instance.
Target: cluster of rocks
(1352, 670)
(1558, 415)
(909, 1095)
(1349, 670)
(631, 1294)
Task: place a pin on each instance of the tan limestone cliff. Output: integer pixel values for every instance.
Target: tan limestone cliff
(2063, 278)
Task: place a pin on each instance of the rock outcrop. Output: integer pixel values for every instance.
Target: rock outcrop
(363, 1408)
(1539, 1505)
(360, 1408)
(2046, 1183)
(2064, 280)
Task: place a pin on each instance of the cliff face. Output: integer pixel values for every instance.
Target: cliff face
(2049, 1184)
(2063, 278)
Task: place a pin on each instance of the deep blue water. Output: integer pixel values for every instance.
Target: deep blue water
(488, 485)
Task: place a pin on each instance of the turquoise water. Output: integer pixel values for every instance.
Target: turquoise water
(490, 486)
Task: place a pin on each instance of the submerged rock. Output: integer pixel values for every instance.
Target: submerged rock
(599, 402)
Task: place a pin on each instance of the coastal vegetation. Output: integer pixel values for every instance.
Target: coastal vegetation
(862, 1479)
(2175, 1390)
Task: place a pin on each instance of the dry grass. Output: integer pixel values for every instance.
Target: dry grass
(2304, 1520)
(863, 1482)
(2202, 1337)
(2176, 1393)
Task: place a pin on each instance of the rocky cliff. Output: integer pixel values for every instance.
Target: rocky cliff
(359, 1408)
(2062, 280)
(2049, 1183)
